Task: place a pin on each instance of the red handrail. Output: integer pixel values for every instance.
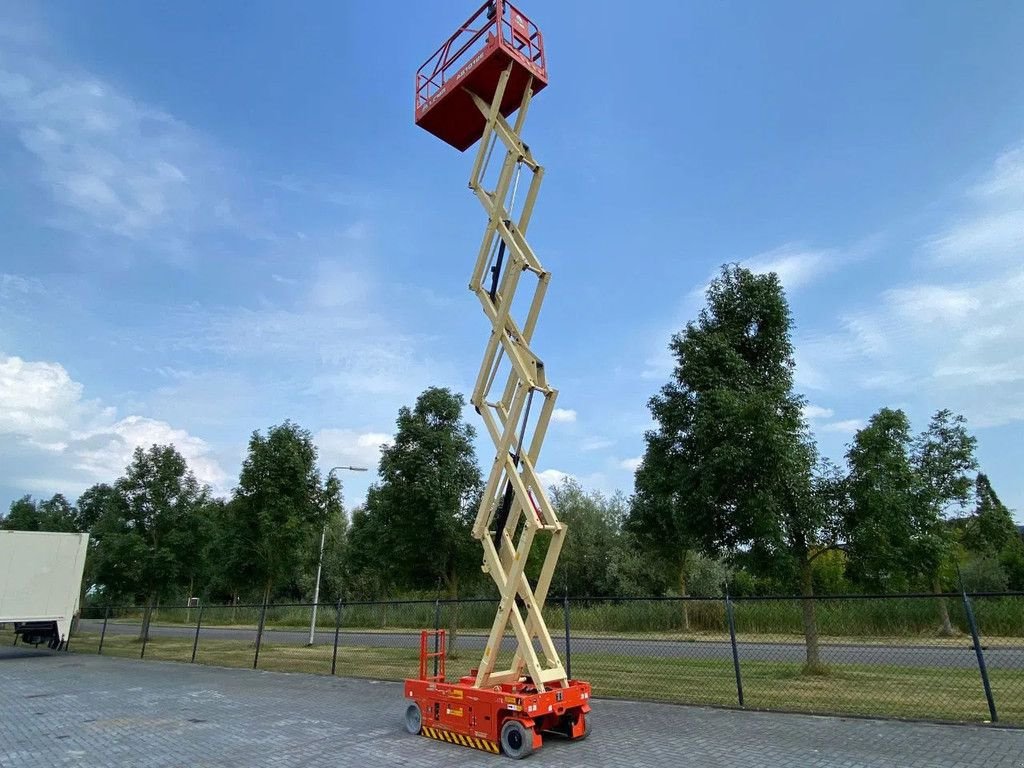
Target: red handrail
(426, 654)
(503, 24)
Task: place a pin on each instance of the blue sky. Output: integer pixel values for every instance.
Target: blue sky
(215, 217)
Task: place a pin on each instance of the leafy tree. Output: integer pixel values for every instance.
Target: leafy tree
(93, 503)
(368, 573)
(144, 528)
(226, 559)
(991, 529)
(54, 514)
(587, 563)
(419, 514)
(332, 576)
(991, 534)
(730, 465)
(943, 457)
(984, 573)
(884, 517)
(276, 511)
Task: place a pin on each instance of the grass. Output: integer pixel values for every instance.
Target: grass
(895, 617)
(875, 690)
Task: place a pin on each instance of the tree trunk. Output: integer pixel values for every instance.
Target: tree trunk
(945, 625)
(147, 615)
(810, 621)
(682, 592)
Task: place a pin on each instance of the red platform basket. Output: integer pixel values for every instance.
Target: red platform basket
(473, 59)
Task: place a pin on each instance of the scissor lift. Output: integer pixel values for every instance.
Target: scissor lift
(489, 69)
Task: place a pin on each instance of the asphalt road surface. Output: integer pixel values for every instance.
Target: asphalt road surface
(958, 657)
(98, 711)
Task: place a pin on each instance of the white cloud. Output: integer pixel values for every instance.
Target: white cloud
(36, 398)
(812, 412)
(944, 339)
(995, 236)
(933, 303)
(631, 465)
(350, 448)
(846, 426)
(115, 167)
(552, 477)
(46, 423)
(12, 286)
(993, 228)
(796, 267)
(596, 444)
(563, 416)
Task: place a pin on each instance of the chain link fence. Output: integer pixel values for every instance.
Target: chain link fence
(951, 657)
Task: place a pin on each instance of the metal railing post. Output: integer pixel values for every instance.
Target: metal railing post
(735, 650)
(195, 642)
(259, 635)
(568, 647)
(147, 620)
(337, 630)
(437, 635)
(981, 656)
(103, 632)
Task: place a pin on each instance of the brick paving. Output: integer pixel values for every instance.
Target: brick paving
(87, 711)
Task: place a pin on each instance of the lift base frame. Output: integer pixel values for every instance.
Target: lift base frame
(463, 714)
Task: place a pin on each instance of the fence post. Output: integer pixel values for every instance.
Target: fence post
(259, 635)
(735, 650)
(568, 647)
(981, 656)
(437, 628)
(337, 630)
(147, 618)
(195, 643)
(103, 632)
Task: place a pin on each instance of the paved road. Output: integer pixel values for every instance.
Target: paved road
(909, 656)
(94, 711)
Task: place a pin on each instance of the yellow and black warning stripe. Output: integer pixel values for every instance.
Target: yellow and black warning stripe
(457, 738)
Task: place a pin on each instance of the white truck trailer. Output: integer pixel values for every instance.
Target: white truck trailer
(40, 583)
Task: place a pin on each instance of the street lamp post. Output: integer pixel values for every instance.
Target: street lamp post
(320, 561)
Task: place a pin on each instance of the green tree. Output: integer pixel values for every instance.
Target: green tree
(588, 560)
(368, 570)
(332, 578)
(942, 458)
(420, 511)
(144, 529)
(884, 517)
(991, 534)
(90, 507)
(93, 503)
(991, 529)
(730, 465)
(55, 514)
(276, 512)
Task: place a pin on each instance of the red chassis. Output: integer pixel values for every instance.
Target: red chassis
(510, 718)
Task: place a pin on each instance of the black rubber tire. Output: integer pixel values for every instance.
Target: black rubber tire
(516, 739)
(413, 718)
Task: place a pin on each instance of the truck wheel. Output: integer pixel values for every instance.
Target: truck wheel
(413, 719)
(516, 739)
